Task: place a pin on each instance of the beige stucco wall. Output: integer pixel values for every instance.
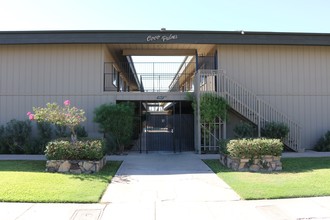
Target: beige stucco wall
(294, 79)
(32, 75)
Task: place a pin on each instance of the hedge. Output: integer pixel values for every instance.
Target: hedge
(79, 150)
(254, 148)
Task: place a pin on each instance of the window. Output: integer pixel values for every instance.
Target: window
(110, 77)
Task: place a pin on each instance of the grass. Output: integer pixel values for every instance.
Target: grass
(26, 181)
(301, 177)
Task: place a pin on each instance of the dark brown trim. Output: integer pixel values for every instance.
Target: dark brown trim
(164, 37)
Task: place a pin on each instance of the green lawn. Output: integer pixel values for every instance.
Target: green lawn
(26, 181)
(301, 177)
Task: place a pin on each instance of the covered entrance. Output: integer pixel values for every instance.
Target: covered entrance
(163, 126)
(158, 78)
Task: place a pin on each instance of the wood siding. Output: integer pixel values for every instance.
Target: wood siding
(32, 75)
(294, 79)
(50, 70)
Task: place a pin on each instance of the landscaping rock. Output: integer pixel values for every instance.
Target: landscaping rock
(64, 167)
(265, 163)
(75, 166)
(75, 171)
(52, 163)
(88, 165)
(254, 168)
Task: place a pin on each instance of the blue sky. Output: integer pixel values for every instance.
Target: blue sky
(215, 15)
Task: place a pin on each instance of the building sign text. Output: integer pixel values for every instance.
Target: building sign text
(162, 38)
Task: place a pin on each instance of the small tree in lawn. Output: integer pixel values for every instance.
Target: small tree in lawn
(117, 120)
(62, 116)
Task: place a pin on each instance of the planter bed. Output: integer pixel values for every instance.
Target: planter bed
(264, 163)
(75, 166)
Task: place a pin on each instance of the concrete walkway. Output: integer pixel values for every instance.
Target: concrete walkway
(169, 186)
(155, 185)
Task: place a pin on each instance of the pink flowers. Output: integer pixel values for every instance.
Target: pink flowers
(67, 102)
(59, 115)
(31, 116)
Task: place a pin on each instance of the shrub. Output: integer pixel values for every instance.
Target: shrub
(38, 143)
(223, 146)
(44, 131)
(79, 150)
(17, 135)
(61, 131)
(81, 131)
(323, 143)
(244, 130)
(116, 120)
(211, 107)
(275, 130)
(110, 144)
(3, 147)
(254, 148)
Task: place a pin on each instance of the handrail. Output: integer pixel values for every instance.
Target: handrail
(248, 104)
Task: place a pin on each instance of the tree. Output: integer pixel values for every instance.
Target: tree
(62, 116)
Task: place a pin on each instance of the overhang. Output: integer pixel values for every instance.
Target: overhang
(163, 37)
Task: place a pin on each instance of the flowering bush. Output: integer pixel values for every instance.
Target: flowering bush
(62, 116)
(254, 148)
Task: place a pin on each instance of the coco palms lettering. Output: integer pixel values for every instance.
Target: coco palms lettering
(162, 38)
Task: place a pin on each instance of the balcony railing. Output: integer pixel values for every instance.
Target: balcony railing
(152, 76)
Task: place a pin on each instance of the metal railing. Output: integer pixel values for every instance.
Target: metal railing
(212, 134)
(246, 103)
(154, 76)
(149, 76)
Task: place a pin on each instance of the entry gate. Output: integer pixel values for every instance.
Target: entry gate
(160, 133)
(170, 130)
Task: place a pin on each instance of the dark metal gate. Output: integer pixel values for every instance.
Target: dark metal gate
(171, 129)
(159, 133)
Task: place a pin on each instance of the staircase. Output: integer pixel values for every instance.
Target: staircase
(246, 103)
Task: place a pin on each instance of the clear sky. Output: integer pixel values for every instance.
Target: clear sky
(214, 15)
